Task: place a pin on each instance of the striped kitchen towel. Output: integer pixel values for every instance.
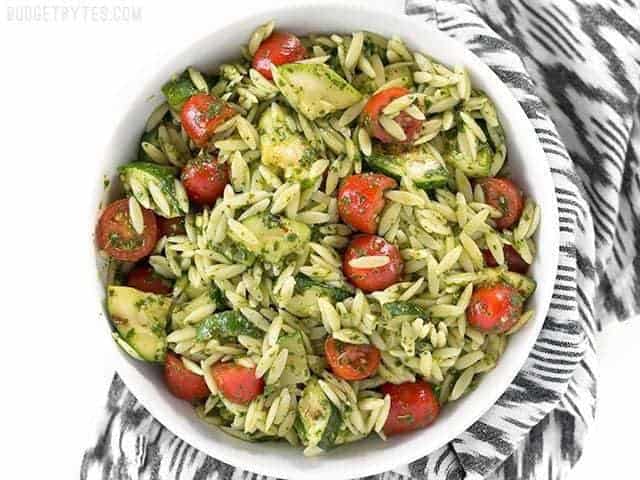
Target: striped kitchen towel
(574, 66)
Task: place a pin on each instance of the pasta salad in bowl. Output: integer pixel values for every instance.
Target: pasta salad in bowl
(320, 240)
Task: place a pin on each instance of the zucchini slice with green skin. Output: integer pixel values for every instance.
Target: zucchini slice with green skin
(277, 236)
(405, 308)
(399, 71)
(303, 282)
(178, 90)
(417, 164)
(314, 89)
(525, 285)
(297, 368)
(139, 178)
(308, 290)
(480, 167)
(228, 324)
(319, 419)
(282, 147)
(305, 304)
(394, 71)
(140, 319)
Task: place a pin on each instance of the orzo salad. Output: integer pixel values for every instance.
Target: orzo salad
(319, 241)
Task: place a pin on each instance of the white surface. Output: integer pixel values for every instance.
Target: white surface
(59, 76)
(611, 450)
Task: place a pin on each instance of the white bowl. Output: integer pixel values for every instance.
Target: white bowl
(527, 162)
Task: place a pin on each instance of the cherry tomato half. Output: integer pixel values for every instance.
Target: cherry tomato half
(494, 308)
(349, 361)
(168, 227)
(204, 180)
(202, 114)
(237, 383)
(145, 279)
(376, 278)
(413, 406)
(514, 261)
(279, 48)
(117, 237)
(503, 194)
(361, 199)
(373, 110)
(182, 382)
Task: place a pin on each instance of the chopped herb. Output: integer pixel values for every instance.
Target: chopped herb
(215, 108)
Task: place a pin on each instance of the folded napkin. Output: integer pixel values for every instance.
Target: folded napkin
(574, 66)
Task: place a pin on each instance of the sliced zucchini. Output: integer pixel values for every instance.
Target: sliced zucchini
(405, 308)
(525, 285)
(228, 324)
(154, 186)
(319, 420)
(417, 164)
(401, 71)
(282, 147)
(190, 290)
(314, 89)
(277, 236)
(140, 319)
(125, 346)
(178, 90)
(337, 294)
(480, 167)
(297, 368)
(305, 302)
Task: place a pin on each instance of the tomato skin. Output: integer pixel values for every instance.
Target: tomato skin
(145, 279)
(494, 308)
(168, 227)
(410, 125)
(237, 383)
(204, 180)
(116, 236)
(279, 48)
(373, 109)
(361, 199)
(512, 258)
(181, 382)
(351, 362)
(372, 279)
(202, 114)
(503, 194)
(413, 406)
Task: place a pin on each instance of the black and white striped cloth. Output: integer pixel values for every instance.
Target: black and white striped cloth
(574, 66)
